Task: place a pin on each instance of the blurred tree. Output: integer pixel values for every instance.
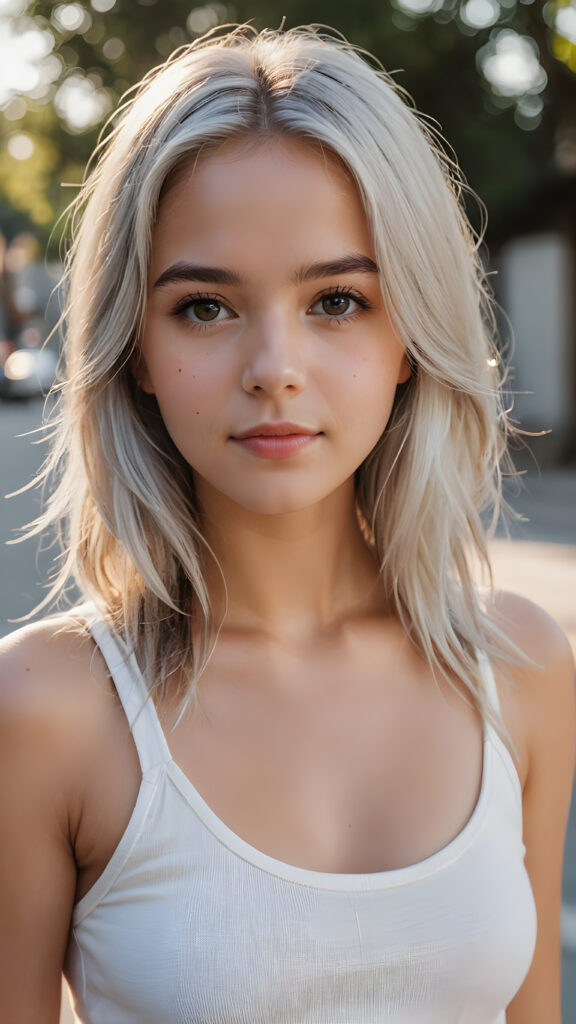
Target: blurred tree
(498, 75)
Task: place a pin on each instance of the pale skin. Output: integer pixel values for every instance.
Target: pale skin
(320, 737)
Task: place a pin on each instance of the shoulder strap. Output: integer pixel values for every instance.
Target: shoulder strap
(505, 758)
(136, 700)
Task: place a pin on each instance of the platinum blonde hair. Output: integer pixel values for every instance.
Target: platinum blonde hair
(124, 496)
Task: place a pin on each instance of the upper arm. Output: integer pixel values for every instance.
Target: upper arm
(37, 868)
(543, 716)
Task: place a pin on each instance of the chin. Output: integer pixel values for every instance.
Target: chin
(276, 505)
(270, 500)
(277, 496)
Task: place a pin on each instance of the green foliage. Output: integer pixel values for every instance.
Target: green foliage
(502, 140)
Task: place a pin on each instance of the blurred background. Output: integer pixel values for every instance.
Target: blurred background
(498, 77)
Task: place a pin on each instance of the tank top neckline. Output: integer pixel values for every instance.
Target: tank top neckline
(149, 738)
(340, 881)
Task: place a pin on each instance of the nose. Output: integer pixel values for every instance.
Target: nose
(275, 362)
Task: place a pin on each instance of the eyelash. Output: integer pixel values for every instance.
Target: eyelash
(337, 291)
(179, 310)
(345, 292)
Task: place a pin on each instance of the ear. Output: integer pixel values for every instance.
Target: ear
(139, 371)
(405, 371)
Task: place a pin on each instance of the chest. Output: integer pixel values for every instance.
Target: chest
(339, 761)
(334, 764)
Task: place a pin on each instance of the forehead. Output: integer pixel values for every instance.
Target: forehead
(284, 147)
(272, 197)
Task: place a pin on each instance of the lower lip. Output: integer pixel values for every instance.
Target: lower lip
(277, 447)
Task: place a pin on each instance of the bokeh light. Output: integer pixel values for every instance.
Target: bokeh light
(20, 146)
(510, 63)
(102, 6)
(480, 13)
(113, 49)
(27, 64)
(565, 23)
(418, 6)
(71, 18)
(81, 103)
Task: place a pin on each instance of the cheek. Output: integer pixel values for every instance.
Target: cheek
(182, 396)
(183, 399)
(173, 377)
(367, 392)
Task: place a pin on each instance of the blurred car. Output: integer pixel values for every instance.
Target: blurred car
(29, 317)
(26, 372)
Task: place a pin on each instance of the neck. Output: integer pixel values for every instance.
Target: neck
(292, 575)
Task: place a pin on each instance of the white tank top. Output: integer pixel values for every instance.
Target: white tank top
(189, 924)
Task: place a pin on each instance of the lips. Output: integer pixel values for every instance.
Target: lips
(275, 440)
(274, 430)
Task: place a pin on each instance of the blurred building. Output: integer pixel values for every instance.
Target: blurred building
(536, 260)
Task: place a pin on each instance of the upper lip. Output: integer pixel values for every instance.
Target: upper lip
(273, 430)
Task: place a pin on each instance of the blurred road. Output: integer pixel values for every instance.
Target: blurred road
(540, 562)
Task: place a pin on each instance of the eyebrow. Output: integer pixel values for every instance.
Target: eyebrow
(353, 263)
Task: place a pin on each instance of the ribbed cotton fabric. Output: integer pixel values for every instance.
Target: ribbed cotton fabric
(189, 924)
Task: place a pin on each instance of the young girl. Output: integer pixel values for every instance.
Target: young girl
(285, 762)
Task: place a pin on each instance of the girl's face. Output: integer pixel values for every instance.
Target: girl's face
(266, 341)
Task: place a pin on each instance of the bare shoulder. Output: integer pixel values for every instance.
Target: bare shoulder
(52, 681)
(56, 703)
(537, 696)
(51, 638)
(533, 630)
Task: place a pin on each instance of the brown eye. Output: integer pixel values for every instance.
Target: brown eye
(203, 309)
(335, 305)
(339, 304)
(198, 310)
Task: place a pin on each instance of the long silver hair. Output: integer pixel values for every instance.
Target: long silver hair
(123, 496)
